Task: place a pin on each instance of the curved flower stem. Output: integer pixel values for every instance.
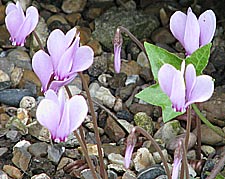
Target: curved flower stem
(188, 128)
(209, 124)
(139, 44)
(90, 163)
(80, 128)
(102, 168)
(156, 146)
(198, 126)
(38, 40)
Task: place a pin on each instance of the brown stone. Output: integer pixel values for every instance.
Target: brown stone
(96, 46)
(2, 14)
(85, 34)
(73, 18)
(113, 130)
(130, 68)
(12, 171)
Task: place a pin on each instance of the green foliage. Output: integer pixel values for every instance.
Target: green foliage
(158, 57)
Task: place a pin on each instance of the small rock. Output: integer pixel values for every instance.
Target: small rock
(15, 123)
(55, 153)
(2, 14)
(104, 95)
(116, 158)
(168, 131)
(92, 149)
(3, 150)
(158, 158)
(112, 174)
(146, 74)
(142, 60)
(125, 114)
(208, 150)
(56, 17)
(41, 176)
(126, 91)
(132, 79)
(22, 144)
(16, 76)
(172, 144)
(143, 159)
(136, 107)
(20, 58)
(163, 17)
(4, 76)
(13, 135)
(103, 79)
(5, 85)
(118, 80)
(27, 102)
(118, 105)
(12, 171)
(130, 68)
(70, 6)
(63, 162)
(73, 18)
(99, 66)
(117, 168)
(191, 155)
(162, 35)
(3, 175)
(126, 125)
(113, 148)
(143, 120)
(129, 175)
(209, 137)
(21, 158)
(38, 149)
(22, 115)
(93, 88)
(13, 97)
(113, 130)
(151, 172)
(4, 36)
(87, 174)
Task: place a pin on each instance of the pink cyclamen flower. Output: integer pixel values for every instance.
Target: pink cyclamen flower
(192, 32)
(131, 141)
(184, 88)
(118, 40)
(19, 25)
(65, 59)
(177, 161)
(61, 116)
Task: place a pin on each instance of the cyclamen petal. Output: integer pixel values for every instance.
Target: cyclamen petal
(19, 25)
(191, 32)
(117, 57)
(61, 116)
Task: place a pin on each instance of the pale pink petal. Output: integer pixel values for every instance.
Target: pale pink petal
(202, 90)
(48, 115)
(84, 58)
(207, 23)
(29, 24)
(177, 96)
(177, 25)
(117, 57)
(55, 85)
(51, 95)
(190, 79)
(128, 155)
(78, 110)
(10, 7)
(165, 76)
(61, 100)
(56, 46)
(177, 161)
(70, 35)
(192, 33)
(43, 68)
(13, 22)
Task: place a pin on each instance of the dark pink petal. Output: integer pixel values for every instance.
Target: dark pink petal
(56, 46)
(10, 7)
(177, 96)
(190, 79)
(78, 110)
(48, 115)
(202, 90)
(192, 33)
(43, 68)
(177, 25)
(117, 57)
(29, 24)
(84, 58)
(165, 76)
(207, 23)
(55, 85)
